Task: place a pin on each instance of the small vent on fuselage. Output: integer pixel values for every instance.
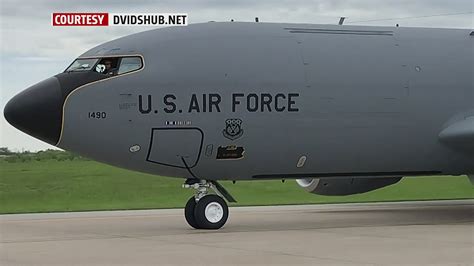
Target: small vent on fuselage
(472, 33)
(341, 32)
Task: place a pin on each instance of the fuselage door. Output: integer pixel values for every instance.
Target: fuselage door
(175, 147)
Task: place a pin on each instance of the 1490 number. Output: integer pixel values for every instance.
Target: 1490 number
(98, 115)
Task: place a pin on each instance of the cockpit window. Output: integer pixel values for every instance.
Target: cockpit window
(82, 65)
(111, 66)
(128, 64)
(108, 66)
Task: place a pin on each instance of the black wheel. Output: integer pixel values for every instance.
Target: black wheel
(211, 212)
(189, 212)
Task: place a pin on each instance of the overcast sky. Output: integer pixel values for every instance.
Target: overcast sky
(32, 50)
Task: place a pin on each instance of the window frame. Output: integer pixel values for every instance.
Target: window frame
(119, 63)
(118, 57)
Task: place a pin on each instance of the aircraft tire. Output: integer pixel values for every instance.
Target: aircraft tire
(211, 212)
(189, 213)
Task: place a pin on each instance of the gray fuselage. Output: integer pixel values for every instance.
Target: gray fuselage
(261, 100)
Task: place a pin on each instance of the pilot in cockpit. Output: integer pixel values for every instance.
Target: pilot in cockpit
(109, 68)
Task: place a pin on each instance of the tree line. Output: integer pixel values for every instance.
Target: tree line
(45, 155)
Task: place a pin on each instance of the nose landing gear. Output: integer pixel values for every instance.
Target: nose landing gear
(203, 210)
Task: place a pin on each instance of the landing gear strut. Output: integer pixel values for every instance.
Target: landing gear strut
(203, 210)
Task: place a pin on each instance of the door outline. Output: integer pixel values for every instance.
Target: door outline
(175, 128)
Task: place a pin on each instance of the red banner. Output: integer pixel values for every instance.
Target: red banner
(80, 19)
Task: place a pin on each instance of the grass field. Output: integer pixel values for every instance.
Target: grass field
(77, 185)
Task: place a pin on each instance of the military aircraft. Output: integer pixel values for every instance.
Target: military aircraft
(341, 109)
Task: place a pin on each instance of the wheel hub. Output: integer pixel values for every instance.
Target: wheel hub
(214, 212)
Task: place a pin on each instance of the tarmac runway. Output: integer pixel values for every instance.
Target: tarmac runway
(415, 233)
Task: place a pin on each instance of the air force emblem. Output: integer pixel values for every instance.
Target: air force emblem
(233, 129)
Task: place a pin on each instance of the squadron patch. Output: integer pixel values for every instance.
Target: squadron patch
(233, 128)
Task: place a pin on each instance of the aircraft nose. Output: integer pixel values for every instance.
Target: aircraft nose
(37, 110)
